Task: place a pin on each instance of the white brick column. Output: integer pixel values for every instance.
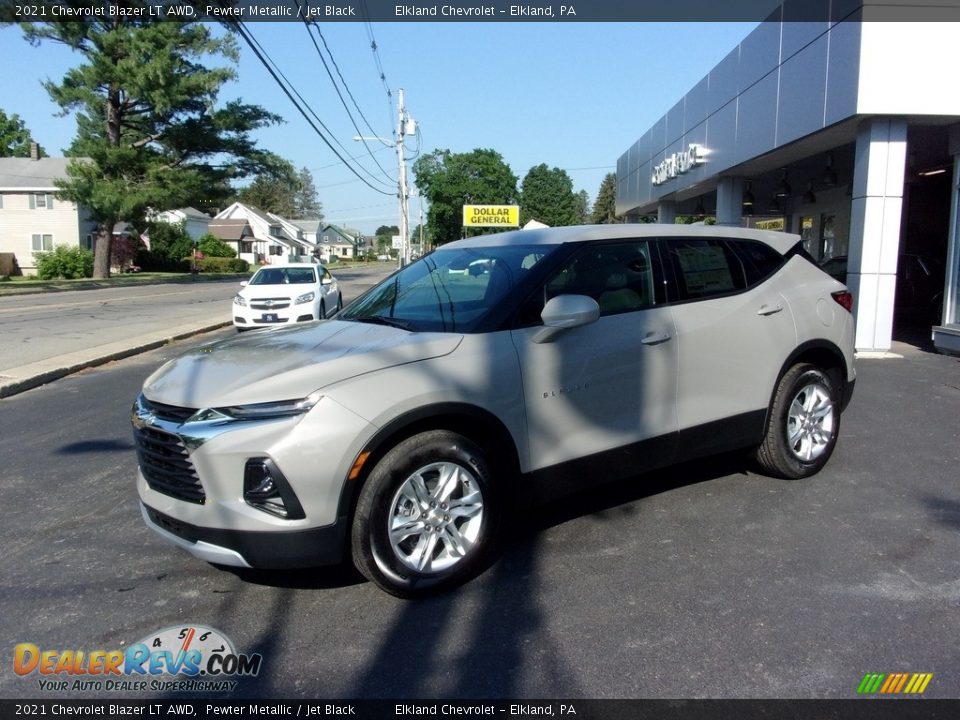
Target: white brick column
(876, 210)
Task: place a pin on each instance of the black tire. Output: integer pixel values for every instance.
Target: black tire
(323, 311)
(339, 303)
(381, 504)
(816, 437)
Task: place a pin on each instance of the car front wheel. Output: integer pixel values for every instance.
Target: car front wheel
(426, 517)
(803, 423)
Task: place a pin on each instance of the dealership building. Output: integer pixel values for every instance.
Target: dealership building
(844, 131)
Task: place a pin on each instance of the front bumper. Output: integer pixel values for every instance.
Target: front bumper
(205, 510)
(238, 548)
(248, 318)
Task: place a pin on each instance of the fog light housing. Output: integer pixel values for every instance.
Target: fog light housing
(265, 488)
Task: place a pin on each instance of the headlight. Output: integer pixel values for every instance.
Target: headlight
(305, 298)
(258, 411)
(240, 300)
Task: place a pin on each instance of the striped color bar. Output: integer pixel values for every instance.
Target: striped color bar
(894, 683)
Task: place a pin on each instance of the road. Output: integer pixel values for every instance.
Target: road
(39, 328)
(702, 581)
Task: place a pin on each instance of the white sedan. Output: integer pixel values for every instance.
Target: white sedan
(291, 293)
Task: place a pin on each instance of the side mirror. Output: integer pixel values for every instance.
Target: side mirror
(243, 283)
(326, 280)
(565, 312)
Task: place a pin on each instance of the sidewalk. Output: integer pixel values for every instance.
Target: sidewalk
(18, 379)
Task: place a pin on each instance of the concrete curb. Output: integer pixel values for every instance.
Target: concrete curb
(18, 379)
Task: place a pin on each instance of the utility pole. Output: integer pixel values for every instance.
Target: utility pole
(404, 125)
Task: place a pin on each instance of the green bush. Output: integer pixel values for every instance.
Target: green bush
(168, 243)
(68, 263)
(215, 247)
(217, 265)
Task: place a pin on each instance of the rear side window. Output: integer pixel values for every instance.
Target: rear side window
(704, 268)
(760, 261)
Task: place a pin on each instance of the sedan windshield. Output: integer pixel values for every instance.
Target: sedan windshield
(284, 276)
(450, 290)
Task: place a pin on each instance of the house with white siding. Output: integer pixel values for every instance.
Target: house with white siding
(279, 239)
(31, 218)
(195, 223)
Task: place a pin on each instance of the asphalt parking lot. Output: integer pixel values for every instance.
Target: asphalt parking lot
(703, 581)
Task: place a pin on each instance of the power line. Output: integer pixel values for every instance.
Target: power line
(365, 12)
(347, 87)
(290, 92)
(307, 25)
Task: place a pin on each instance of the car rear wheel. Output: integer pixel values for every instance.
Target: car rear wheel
(803, 423)
(426, 517)
(323, 310)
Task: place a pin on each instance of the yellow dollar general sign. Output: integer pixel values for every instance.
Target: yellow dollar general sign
(894, 683)
(491, 216)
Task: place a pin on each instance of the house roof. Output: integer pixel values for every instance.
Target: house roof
(307, 225)
(345, 235)
(193, 213)
(230, 229)
(25, 174)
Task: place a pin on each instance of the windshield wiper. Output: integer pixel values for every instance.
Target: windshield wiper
(383, 320)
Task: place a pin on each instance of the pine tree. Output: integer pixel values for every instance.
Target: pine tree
(149, 133)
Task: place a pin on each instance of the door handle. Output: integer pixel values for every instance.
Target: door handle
(655, 338)
(769, 309)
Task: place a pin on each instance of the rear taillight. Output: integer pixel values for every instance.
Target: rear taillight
(844, 299)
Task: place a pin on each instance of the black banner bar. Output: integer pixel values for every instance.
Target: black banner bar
(327, 11)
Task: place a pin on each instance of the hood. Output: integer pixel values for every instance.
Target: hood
(288, 363)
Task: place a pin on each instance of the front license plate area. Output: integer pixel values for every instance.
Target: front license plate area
(269, 317)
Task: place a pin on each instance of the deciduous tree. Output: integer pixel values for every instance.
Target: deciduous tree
(546, 195)
(451, 180)
(14, 136)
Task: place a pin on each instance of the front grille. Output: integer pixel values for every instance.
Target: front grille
(166, 465)
(270, 304)
(170, 413)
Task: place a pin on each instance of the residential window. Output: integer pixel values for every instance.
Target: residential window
(40, 242)
(275, 230)
(88, 242)
(276, 250)
(41, 201)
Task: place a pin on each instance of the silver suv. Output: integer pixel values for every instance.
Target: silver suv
(403, 429)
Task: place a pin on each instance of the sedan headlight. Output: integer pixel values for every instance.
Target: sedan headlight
(305, 298)
(258, 411)
(240, 300)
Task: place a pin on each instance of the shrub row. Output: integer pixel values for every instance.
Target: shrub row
(64, 263)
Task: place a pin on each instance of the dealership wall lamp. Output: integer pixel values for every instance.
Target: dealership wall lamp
(748, 200)
(808, 197)
(829, 177)
(783, 189)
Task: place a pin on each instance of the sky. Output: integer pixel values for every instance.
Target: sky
(571, 95)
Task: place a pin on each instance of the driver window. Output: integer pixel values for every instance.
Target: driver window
(619, 276)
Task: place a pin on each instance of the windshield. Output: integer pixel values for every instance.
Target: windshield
(284, 276)
(450, 290)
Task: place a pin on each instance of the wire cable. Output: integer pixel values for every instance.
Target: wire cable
(307, 25)
(263, 56)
